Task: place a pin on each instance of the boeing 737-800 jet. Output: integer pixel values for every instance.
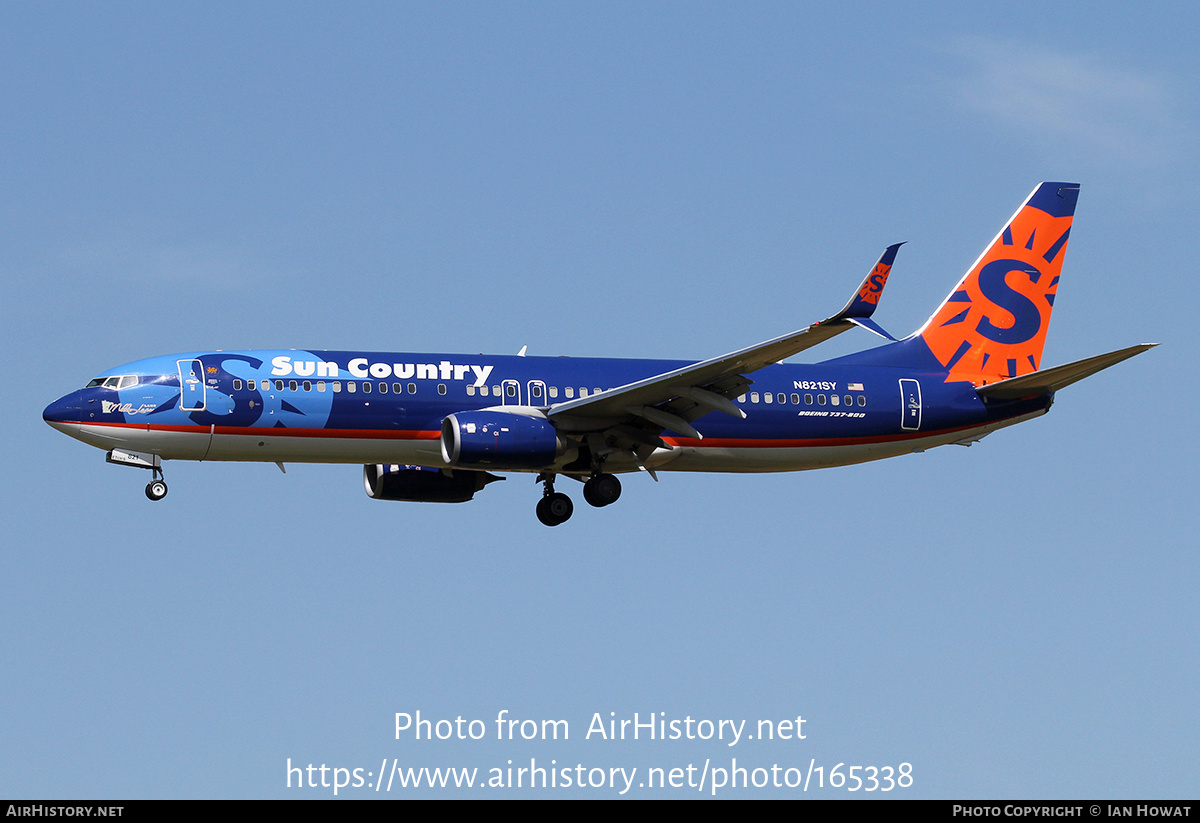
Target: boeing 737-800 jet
(434, 427)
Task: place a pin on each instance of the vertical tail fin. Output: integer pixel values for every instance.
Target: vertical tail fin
(993, 325)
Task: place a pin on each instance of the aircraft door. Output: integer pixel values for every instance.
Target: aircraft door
(910, 405)
(511, 390)
(191, 385)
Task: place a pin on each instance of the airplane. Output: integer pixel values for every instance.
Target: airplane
(436, 427)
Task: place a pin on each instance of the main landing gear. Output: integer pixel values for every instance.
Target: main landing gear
(555, 507)
(602, 490)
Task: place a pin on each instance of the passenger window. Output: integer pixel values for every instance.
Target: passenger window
(395, 388)
(320, 385)
(768, 397)
(278, 385)
(782, 398)
(569, 391)
(511, 390)
(250, 385)
(237, 385)
(351, 387)
(470, 390)
(307, 384)
(553, 392)
(383, 388)
(834, 400)
(337, 386)
(862, 400)
(412, 388)
(848, 400)
(753, 397)
(820, 400)
(795, 399)
(441, 388)
(536, 391)
(292, 385)
(582, 392)
(808, 399)
(367, 387)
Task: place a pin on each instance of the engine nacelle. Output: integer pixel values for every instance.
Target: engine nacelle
(423, 485)
(500, 440)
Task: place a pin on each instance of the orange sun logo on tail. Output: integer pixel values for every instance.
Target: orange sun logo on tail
(993, 325)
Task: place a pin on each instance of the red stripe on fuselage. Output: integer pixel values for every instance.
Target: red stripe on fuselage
(343, 434)
(682, 442)
(799, 443)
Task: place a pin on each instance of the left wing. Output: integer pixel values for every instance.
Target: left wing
(638, 412)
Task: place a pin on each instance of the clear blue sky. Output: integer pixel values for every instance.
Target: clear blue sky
(1017, 619)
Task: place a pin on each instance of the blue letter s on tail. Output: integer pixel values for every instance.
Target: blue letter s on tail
(993, 325)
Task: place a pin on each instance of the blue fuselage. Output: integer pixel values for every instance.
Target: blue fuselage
(372, 407)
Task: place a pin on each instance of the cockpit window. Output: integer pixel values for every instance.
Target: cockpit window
(120, 381)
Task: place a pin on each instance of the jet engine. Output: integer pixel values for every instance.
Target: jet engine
(499, 440)
(423, 485)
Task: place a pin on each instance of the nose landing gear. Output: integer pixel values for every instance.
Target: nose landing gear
(156, 489)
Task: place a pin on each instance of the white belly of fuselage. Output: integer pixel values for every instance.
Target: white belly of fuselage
(262, 445)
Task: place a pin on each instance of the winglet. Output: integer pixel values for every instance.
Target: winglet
(865, 300)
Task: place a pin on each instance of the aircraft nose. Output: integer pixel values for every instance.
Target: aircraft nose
(66, 409)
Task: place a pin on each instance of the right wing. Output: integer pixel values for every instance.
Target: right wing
(642, 410)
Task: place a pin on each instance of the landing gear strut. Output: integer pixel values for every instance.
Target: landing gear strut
(156, 489)
(554, 507)
(602, 490)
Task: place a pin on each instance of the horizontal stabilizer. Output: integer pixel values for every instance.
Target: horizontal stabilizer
(1051, 380)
